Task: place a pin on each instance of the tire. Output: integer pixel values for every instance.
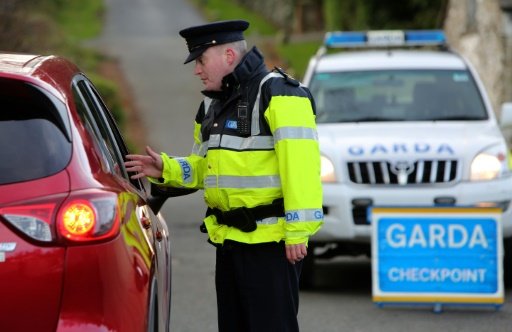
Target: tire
(507, 263)
(307, 276)
(153, 308)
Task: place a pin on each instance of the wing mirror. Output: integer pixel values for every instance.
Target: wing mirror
(506, 115)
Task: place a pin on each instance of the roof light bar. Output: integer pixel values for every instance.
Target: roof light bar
(425, 37)
(384, 38)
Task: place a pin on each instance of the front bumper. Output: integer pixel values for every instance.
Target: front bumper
(345, 213)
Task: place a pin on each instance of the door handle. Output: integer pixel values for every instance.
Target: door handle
(146, 222)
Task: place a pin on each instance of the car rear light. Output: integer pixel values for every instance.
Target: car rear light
(84, 216)
(33, 220)
(89, 217)
(78, 218)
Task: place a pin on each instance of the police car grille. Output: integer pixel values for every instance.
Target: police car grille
(422, 172)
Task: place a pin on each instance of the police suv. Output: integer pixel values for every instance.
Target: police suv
(402, 121)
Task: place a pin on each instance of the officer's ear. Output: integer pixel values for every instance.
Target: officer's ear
(230, 55)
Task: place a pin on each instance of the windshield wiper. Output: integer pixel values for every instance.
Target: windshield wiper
(376, 119)
(459, 118)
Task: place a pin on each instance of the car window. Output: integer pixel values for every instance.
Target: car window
(83, 110)
(34, 138)
(102, 126)
(397, 95)
(117, 136)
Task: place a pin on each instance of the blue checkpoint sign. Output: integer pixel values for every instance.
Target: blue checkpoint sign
(437, 255)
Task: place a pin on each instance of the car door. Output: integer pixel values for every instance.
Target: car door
(155, 228)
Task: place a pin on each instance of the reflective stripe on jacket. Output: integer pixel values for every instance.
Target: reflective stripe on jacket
(280, 158)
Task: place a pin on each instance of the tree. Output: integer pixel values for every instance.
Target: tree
(383, 14)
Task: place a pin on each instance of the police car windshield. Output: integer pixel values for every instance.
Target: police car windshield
(397, 95)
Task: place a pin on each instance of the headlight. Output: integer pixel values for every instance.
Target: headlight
(488, 165)
(327, 170)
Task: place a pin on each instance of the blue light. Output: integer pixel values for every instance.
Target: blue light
(347, 39)
(425, 37)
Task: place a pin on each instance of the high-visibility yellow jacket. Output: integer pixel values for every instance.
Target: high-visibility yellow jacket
(278, 158)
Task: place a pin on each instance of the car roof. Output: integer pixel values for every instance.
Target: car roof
(389, 59)
(19, 63)
(54, 72)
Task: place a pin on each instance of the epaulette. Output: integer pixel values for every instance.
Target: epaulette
(290, 80)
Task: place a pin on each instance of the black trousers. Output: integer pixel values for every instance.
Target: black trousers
(257, 288)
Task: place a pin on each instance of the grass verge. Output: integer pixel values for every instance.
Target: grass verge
(77, 22)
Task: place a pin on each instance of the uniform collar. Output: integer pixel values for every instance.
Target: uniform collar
(251, 65)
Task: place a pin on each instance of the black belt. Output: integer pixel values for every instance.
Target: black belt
(245, 218)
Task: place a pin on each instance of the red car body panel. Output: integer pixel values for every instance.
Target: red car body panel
(105, 287)
(16, 192)
(64, 286)
(42, 279)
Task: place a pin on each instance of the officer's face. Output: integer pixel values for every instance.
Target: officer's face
(212, 66)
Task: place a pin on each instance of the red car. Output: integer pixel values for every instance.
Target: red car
(82, 246)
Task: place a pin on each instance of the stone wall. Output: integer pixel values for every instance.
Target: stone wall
(477, 30)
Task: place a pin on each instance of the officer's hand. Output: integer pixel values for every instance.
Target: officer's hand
(145, 165)
(296, 252)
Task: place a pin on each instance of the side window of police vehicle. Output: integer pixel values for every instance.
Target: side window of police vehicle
(88, 111)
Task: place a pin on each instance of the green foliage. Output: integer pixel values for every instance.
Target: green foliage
(217, 10)
(22, 28)
(75, 20)
(297, 55)
(108, 90)
(294, 55)
(51, 26)
(81, 19)
(60, 27)
(338, 15)
(78, 21)
(384, 14)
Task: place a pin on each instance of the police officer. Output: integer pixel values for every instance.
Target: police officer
(256, 155)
